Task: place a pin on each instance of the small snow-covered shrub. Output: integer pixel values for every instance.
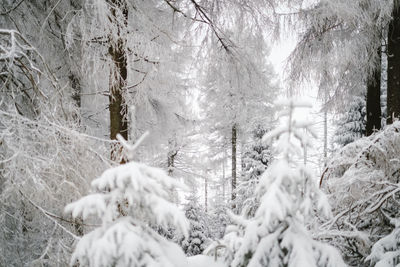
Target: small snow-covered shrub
(127, 199)
(197, 240)
(351, 125)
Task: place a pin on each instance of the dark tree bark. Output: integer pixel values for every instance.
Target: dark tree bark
(172, 153)
(234, 144)
(118, 77)
(77, 90)
(374, 112)
(393, 80)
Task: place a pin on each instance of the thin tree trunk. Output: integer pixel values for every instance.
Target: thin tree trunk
(118, 77)
(374, 112)
(305, 153)
(393, 82)
(173, 151)
(223, 179)
(325, 135)
(77, 90)
(234, 144)
(206, 191)
(76, 95)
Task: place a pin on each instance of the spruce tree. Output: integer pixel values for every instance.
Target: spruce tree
(127, 199)
(278, 234)
(351, 125)
(255, 161)
(196, 242)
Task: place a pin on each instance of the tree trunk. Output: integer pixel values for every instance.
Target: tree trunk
(118, 77)
(173, 151)
(393, 82)
(374, 99)
(234, 140)
(206, 192)
(325, 134)
(223, 179)
(77, 90)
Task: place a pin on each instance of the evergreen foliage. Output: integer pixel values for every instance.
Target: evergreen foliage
(351, 126)
(128, 198)
(74, 74)
(197, 240)
(218, 221)
(255, 160)
(277, 234)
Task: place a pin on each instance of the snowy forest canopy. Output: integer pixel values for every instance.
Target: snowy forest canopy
(159, 133)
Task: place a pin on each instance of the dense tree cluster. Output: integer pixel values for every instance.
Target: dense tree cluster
(141, 133)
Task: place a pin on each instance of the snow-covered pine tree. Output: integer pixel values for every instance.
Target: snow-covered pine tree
(255, 160)
(128, 199)
(277, 234)
(197, 240)
(218, 220)
(351, 125)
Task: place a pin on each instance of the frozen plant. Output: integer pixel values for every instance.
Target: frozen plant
(127, 199)
(277, 234)
(197, 240)
(362, 179)
(351, 125)
(386, 252)
(257, 157)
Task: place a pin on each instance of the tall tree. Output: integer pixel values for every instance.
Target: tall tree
(373, 103)
(277, 235)
(393, 76)
(46, 157)
(135, 61)
(118, 76)
(347, 35)
(234, 164)
(235, 75)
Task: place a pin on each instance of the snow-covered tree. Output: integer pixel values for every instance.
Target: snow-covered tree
(340, 48)
(197, 240)
(386, 251)
(127, 199)
(362, 182)
(277, 235)
(351, 125)
(131, 59)
(232, 78)
(218, 219)
(255, 160)
(44, 157)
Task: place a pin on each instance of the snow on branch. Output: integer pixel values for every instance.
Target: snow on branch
(277, 235)
(362, 179)
(129, 197)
